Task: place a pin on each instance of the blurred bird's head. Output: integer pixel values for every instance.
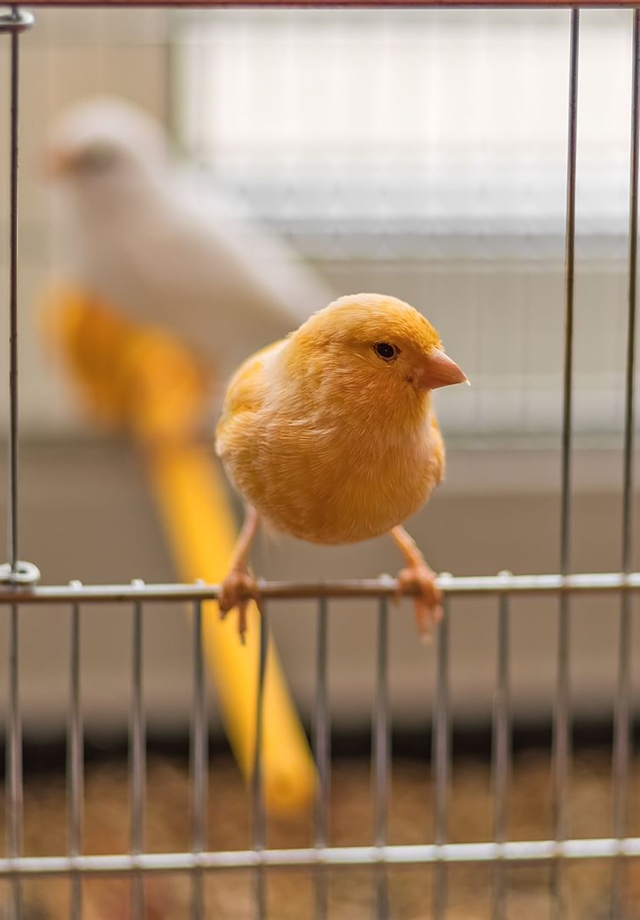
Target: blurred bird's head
(104, 147)
(379, 343)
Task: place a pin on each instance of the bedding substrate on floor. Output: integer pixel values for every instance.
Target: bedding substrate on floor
(351, 892)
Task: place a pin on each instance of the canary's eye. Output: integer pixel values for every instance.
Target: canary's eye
(386, 351)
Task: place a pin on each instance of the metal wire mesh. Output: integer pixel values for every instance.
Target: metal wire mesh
(500, 852)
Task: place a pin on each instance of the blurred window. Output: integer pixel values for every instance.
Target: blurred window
(425, 152)
(433, 120)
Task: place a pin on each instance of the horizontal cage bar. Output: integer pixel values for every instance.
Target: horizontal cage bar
(520, 851)
(604, 582)
(311, 4)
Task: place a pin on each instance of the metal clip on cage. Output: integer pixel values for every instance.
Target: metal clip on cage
(19, 580)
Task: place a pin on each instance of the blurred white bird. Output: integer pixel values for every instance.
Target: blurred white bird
(161, 242)
(168, 284)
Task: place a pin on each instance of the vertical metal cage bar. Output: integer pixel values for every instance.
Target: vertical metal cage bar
(381, 749)
(259, 824)
(14, 791)
(501, 757)
(137, 761)
(441, 758)
(199, 764)
(12, 521)
(75, 773)
(561, 734)
(14, 762)
(322, 750)
(621, 731)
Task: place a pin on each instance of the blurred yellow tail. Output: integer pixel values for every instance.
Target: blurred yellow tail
(144, 380)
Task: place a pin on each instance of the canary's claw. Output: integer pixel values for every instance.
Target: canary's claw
(428, 602)
(238, 590)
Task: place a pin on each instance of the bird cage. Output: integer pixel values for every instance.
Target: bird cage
(321, 857)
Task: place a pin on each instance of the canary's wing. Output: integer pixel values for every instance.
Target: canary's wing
(216, 276)
(265, 262)
(245, 393)
(439, 456)
(220, 284)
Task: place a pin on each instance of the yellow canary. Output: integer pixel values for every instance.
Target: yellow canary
(330, 436)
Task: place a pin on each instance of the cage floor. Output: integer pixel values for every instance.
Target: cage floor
(290, 893)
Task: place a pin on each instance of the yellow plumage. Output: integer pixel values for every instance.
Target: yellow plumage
(330, 434)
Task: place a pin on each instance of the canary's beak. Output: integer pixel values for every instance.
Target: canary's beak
(55, 163)
(438, 370)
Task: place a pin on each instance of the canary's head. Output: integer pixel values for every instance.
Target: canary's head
(376, 342)
(105, 150)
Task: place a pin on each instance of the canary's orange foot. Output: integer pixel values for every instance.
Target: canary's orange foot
(428, 601)
(238, 590)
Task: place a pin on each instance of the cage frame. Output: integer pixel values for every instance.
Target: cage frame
(19, 586)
